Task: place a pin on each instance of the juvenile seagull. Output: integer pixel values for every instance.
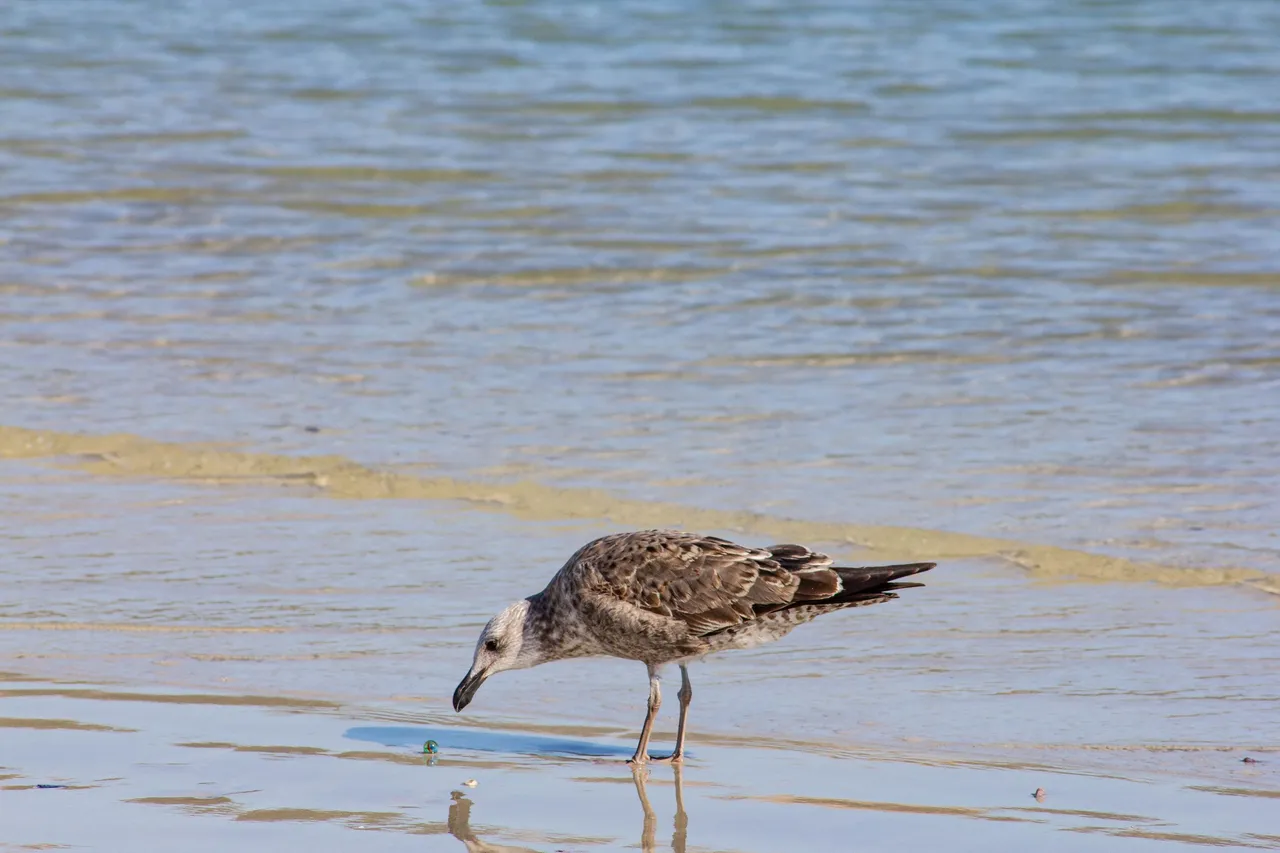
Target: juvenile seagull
(664, 596)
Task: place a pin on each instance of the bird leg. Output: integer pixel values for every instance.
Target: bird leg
(655, 702)
(685, 696)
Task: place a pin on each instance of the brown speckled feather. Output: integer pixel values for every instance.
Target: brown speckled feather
(662, 594)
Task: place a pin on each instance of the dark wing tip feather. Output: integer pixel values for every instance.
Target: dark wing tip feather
(901, 570)
(881, 574)
(869, 581)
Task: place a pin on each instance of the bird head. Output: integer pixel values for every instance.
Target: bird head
(502, 646)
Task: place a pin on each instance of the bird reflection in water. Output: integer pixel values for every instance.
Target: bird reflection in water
(640, 774)
(460, 819)
(460, 828)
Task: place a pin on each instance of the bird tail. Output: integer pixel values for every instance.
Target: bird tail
(868, 583)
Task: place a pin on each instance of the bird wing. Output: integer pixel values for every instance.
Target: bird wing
(711, 584)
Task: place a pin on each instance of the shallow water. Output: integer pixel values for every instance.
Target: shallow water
(151, 765)
(326, 331)
(154, 765)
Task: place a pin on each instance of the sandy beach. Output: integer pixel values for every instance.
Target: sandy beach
(328, 329)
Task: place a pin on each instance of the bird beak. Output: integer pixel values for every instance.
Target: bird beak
(467, 689)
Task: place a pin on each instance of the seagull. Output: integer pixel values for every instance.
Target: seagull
(668, 596)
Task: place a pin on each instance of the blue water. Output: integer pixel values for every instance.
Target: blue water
(473, 740)
(1003, 270)
(1006, 271)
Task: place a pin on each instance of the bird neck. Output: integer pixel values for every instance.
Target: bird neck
(554, 628)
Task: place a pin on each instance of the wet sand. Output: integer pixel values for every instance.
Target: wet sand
(136, 456)
(150, 768)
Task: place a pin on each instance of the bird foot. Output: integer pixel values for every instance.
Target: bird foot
(659, 759)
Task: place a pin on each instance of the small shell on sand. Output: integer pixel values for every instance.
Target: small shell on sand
(471, 783)
(1039, 795)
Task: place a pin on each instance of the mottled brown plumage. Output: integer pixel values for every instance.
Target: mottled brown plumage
(664, 596)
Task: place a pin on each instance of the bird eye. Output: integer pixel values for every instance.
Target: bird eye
(491, 645)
